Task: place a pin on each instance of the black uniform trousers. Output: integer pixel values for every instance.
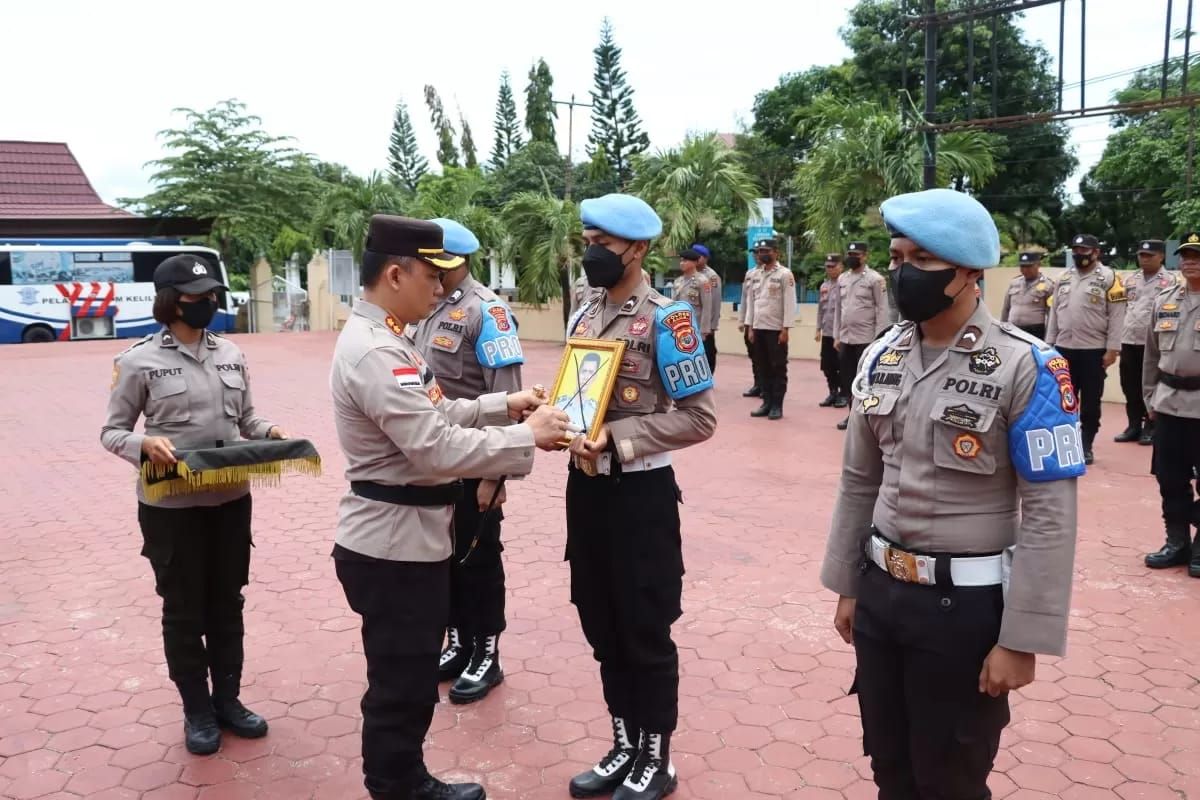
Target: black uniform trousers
(1036, 330)
(848, 367)
(1087, 375)
(772, 358)
(477, 587)
(404, 607)
(1175, 465)
(831, 365)
(626, 563)
(930, 733)
(1132, 356)
(710, 352)
(201, 561)
(753, 361)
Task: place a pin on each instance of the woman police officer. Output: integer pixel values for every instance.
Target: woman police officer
(192, 387)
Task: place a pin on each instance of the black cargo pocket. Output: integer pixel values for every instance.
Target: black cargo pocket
(977, 734)
(159, 550)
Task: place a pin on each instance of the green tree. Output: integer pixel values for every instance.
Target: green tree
(342, 216)
(507, 127)
(223, 167)
(615, 123)
(540, 111)
(458, 194)
(470, 158)
(405, 162)
(545, 240)
(447, 155)
(535, 167)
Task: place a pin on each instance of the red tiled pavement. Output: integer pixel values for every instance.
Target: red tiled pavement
(86, 709)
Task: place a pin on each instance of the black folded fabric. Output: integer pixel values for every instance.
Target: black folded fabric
(261, 462)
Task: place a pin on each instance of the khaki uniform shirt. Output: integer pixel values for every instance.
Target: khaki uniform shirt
(396, 428)
(1087, 312)
(1140, 291)
(579, 292)
(1027, 302)
(696, 291)
(465, 355)
(748, 283)
(714, 280)
(861, 312)
(827, 307)
(929, 461)
(193, 400)
(1173, 346)
(661, 401)
(773, 304)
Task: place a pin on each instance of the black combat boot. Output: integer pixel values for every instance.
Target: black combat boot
(1131, 434)
(433, 789)
(653, 774)
(776, 411)
(1194, 564)
(1147, 437)
(765, 408)
(753, 391)
(456, 655)
(1177, 550)
(841, 402)
(841, 426)
(229, 710)
(201, 735)
(481, 674)
(607, 775)
(829, 400)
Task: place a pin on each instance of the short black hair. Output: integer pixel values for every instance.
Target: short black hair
(166, 305)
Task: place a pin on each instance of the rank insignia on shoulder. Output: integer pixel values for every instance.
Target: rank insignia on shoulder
(393, 326)
(970, 337)
(630, 304)
(985, 362)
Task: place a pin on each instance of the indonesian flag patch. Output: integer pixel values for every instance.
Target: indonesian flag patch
(408, 378)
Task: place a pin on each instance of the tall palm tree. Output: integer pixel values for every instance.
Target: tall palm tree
(456, 195)
(344, 213)
(693, 188)
(545, 240)
(861, 155)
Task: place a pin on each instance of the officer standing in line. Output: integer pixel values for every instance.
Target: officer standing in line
(714, 280)
(1171, 381)
(405, 452)
(953, 536)
(694, 288)
(1087, 313)
(769, 319)
(471, 343)
(193, 388)
(826, 311)
(748, 289)
(860, 315)
(1141, 287)
(623, 539)
(1027, 301)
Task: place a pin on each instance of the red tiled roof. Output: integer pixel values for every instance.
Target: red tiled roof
(43, 180)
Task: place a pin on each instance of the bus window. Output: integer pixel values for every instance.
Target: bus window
(5, 270)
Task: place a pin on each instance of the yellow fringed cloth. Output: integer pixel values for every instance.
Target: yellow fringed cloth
(261, 462)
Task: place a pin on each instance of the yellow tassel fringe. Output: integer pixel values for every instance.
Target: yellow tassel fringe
(190, 481)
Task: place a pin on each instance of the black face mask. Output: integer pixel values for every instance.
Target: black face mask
(853, 262)
(921, 295)
(602, 266)
(763, 258)
(198, 313)
(1081, 260)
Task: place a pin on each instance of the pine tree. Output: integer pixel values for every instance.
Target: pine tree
(470, 158)
(615, 123)
(540, 111)
(447, 154)
(508, 129)
(405, 162)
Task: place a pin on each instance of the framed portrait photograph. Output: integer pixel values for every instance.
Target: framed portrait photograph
(585, 382)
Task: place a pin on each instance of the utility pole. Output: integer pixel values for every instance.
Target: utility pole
(571, 106)
(930, 172)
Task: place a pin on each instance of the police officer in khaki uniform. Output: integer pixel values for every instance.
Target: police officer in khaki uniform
(952, 540)
(623, 539)
(860, 315)
(769, 318)
(748, 288)
(405, 454)
(1141, 287)
(1087, 313)
(1171, 381)
(826, 312)
(471, 343)
(693, 287)
(579, 291)
(193, 388)
(714, 280)
(1027, 301)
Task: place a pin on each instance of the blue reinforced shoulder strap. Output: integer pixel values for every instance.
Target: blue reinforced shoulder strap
(682, 365)
(1045, 443)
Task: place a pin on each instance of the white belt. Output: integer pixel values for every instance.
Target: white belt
(604, 464)
(916, 568)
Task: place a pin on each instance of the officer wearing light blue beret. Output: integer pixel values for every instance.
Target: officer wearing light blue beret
(953, 536)
(622, 497)
(456, 237)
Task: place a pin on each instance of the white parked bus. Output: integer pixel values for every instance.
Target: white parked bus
(61, 290)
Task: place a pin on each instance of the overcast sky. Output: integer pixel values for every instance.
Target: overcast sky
(330, 74)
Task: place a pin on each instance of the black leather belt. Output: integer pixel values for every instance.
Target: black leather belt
(447, 494)
(1189, 384)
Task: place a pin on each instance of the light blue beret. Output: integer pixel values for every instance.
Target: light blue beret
(953, 226)
(456, 237)
(621, 215)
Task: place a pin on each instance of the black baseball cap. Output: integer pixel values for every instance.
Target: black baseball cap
(766, 244)
(187, 273)
(1085, 240)
(1189, 241)
(390, 235)
(836, 258)
(856, 247)
(689, 254)
(1152, 246)
(1030, 257)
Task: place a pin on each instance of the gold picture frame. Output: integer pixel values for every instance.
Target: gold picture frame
(594, 363)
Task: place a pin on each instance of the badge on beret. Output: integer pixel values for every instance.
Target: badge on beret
(457, 315)
(985, 362)
(967, 445)
(630, 394)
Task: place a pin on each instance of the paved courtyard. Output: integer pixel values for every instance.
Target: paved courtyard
(86, 709)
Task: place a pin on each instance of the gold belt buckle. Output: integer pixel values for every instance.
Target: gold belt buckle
(587, 466)
(903, 566)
